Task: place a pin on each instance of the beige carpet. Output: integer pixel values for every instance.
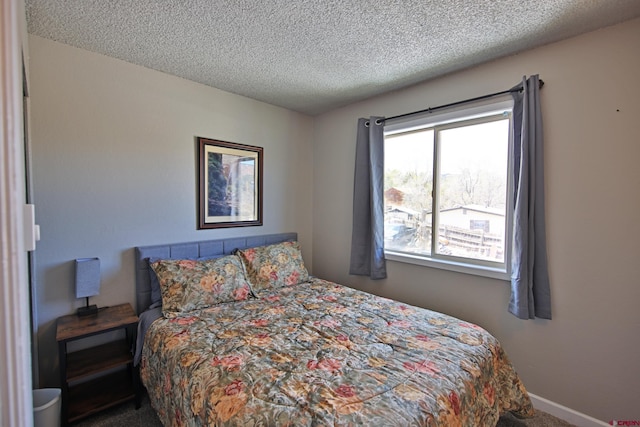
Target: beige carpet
(125, 415)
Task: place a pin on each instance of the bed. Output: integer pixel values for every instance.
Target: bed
(244, 336)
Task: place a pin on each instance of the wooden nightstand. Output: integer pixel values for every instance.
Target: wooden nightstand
(89, 378)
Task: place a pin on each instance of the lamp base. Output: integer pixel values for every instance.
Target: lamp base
(87, 311)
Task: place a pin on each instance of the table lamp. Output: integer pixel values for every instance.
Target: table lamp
(87, 283)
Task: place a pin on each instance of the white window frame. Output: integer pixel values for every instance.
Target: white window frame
(486, 108)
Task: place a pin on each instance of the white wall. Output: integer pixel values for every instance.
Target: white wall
(114, 159)
(586, 358)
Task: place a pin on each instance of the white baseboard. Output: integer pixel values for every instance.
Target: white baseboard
(567, 414)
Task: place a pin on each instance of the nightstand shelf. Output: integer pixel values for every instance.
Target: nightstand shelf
(101, 376)
(115, 388)
(86, 362)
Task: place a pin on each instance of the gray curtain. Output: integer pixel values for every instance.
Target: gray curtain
(367, 239)
(530, 294)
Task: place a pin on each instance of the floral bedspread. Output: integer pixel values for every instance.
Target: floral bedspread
(319, 354)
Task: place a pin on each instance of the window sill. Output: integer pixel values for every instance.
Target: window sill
(459, 267)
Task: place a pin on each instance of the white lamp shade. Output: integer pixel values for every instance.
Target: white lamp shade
(87, 277)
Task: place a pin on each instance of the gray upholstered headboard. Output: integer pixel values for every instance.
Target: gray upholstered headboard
(192, 250)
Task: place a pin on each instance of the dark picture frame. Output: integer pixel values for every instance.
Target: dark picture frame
(229, 184)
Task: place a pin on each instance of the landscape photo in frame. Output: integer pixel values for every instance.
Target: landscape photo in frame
(230, 184)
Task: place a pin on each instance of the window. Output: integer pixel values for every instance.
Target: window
(447, 187)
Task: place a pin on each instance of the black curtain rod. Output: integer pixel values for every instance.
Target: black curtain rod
(453, 104)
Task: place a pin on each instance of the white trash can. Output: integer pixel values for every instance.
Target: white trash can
(46, 407)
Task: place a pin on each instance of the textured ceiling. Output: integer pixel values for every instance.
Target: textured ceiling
(312, 56)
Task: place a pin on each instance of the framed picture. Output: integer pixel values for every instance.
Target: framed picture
(230, 184)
